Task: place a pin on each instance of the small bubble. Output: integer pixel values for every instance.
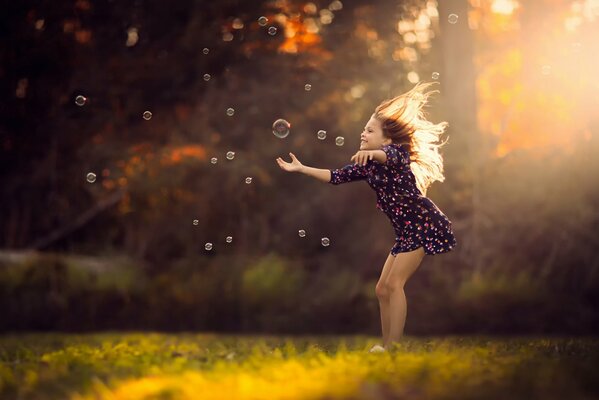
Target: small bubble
(280, 128)
(339, 140)
(80, 100)
(452, 18)
(435, 75)
(213, 160)
(262, 21)
(301, 233)
(307, 87)
(230, 155)
(248, 180)
(147, 115)
(206, 50)
(325, 241)
(322, 135)
(91, 177)
(229, 239)
(272, 30)
(195, 222)
(206, 77)
(208, 246)
(230, 112)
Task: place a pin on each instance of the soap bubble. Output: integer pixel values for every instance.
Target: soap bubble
(262, 21)
(208, 246)
(91, 177)
(325, 241)
(147, 115)
(206, 77)
(248, 180)
(435, 75)
(80, 100)
(205, 50)
(272, 30)
(453, 18)
(195, 222)
(281, 128)
(339, 140)
(230, 155)
(229, 239)
(307, 87)
(301, 233)
(321, 134)
(230, 112)
(213, 160)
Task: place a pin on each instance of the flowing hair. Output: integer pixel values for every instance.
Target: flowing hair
(403, 121)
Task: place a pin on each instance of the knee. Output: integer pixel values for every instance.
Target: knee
(382, 291)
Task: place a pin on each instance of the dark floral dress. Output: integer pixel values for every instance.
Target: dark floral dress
(417, 221)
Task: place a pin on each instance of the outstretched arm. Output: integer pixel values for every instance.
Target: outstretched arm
(295, 165)
(323, 175)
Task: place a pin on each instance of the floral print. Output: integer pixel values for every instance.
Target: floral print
(416, 220)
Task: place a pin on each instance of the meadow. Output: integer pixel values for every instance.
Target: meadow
(153, 365)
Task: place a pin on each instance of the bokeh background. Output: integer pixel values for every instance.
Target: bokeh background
(517, 83)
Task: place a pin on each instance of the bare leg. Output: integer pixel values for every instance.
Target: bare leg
(383, 294)
(403, 267)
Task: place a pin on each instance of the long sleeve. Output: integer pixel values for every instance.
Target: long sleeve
(396, 154)
(349, 173)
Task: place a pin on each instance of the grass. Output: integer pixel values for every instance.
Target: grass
(136, 365)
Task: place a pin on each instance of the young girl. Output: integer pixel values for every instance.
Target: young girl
(399, 159)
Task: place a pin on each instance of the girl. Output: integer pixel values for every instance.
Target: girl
(399, 159)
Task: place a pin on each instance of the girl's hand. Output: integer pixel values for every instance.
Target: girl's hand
(293, 166)
(362, 157)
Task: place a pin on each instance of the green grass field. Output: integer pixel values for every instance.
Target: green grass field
(117, 365)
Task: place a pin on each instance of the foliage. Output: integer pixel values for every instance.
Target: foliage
(206, 366)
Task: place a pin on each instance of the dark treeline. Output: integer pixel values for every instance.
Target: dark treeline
(535, 220)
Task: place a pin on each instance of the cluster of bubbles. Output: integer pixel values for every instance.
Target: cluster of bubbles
(325, 241)
(208, 246)
(281, 128)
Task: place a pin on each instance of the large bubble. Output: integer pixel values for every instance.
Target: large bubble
(280, 128)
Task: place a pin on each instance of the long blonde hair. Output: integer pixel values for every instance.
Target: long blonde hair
(403, 121)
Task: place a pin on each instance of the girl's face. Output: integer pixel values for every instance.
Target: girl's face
(372, 136)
